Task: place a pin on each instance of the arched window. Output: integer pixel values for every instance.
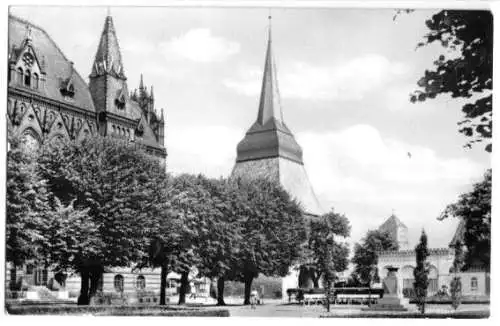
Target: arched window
(114, 129)
(473, 283)
(20, 77)
(27, 78)
(141, 282)
(118, 283)
(35, 81)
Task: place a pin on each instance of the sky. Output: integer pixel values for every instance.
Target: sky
(344, 77)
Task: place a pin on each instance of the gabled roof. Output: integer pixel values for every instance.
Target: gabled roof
(54, 62)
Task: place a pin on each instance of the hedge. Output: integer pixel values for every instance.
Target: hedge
(113, 310)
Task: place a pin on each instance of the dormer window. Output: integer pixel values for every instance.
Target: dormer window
(67, 89)
(120, 99)
(139, 131)
(120, 103)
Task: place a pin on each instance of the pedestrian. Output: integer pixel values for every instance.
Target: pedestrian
(253, 299)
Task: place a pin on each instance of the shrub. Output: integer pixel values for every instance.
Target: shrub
(16, 309)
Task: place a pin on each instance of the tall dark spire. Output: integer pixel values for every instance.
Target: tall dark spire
(269, 149)
(108, 58)
(269, 136)
(270, 102)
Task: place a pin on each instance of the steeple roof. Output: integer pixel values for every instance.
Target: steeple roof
(270, 103)
(269, 136)
(108, 58)
(269, 149)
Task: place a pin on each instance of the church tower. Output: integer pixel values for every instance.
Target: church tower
(269, 148)
(397, 229)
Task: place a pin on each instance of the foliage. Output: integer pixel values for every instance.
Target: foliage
(113, 310)
(465, 71)
(365, 256)
(328, 255)
(72, 234)
(322, 239)
(27, 208)
(114, 191)
(421, 272)
(474, 208)
(456, 282)
(272, 230)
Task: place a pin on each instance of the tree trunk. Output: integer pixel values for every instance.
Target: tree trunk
(248, 288)
(163, 286)
(315, 280)
(220, 292)
(328, 288)
(184, 286)
(94, 283)
(83, 299)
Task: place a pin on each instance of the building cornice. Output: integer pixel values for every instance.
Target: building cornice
(411, 252)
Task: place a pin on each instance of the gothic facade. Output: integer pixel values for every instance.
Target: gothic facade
(48, 100)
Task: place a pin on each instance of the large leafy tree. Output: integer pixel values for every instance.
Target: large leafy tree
(220, 234)
(317, 253)
(474, 209)
(365, 257)
(272, 230)
(120, 188)
(465, 70)
(421, 272)
(27, 207)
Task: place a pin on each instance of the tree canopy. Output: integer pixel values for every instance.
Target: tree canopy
(28, 212)
(272, 229)
(365, 256)
(465, 70)
(474, 210)
(323, 233)
(113, 192)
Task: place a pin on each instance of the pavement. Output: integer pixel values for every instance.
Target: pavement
(276, 308)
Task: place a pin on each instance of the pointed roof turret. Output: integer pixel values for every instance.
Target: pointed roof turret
(108, 58)
(141, 83)
(270, 103)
